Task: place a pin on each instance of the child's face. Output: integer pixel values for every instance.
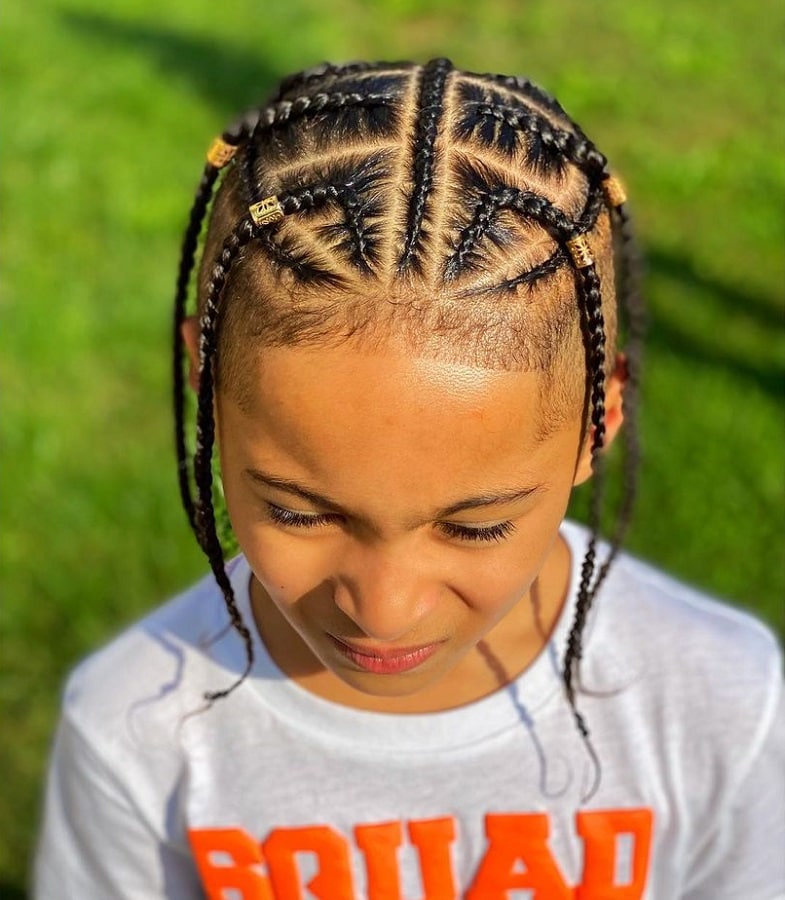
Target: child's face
(396, 511)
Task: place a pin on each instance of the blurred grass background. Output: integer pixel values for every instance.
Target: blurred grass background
(108, 110)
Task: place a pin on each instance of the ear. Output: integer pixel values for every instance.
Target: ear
(614, 416)
(190, 331)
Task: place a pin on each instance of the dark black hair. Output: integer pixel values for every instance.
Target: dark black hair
(417, 175)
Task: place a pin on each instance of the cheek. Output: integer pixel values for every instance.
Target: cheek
(493, 582)
(287, 568)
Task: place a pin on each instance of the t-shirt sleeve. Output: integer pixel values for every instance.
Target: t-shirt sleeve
(94, 842)
(743, 857)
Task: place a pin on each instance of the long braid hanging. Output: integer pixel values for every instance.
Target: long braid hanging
(201, 514)
(593, 327)
(594, 330)
(188, 254)
(631, 306)
(571, 237)
(220, 154)
(590, 301)
(205, 438)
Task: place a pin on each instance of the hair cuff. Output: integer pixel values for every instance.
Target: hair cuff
(614, 191)
(267, 211)
(580, 252)
(220, 153)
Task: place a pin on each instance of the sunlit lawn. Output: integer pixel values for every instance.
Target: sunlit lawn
(107, 111)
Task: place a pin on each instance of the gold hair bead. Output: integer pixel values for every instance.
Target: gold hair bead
(267, 211)
(614, 191)
(580, 252)
(220, 153)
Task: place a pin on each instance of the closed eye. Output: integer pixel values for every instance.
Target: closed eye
(478, 533)
(497, 532)
(289, 517)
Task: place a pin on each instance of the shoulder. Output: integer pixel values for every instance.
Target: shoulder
(157, 669)
(687, 668)
(668, 619)
(656, 617)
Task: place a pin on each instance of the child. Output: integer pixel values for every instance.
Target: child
(405, 354)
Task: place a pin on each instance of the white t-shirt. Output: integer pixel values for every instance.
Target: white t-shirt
(275, 794)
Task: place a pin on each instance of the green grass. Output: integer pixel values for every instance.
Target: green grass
(108, 109)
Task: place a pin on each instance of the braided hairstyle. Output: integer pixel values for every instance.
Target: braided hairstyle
(476, 193)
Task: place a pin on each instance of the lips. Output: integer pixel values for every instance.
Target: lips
(385, 660)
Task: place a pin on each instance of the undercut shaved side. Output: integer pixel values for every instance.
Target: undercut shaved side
(464, 214)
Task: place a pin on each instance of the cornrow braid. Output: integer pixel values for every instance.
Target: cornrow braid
(530, 206)
(595, 203)
(307, 199)
(242, 127)
(302, 80)
(432, 87)
(568, 145)
(539, 209)
(534, 92)
(545, 269)
(283, 113)
(354, 221)
(487, 206)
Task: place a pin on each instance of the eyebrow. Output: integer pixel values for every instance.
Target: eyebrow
(495, 498)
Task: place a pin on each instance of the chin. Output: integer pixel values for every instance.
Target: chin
(387, 686)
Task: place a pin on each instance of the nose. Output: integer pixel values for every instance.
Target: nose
(385, 592)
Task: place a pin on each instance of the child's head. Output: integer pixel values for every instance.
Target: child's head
(379, 214)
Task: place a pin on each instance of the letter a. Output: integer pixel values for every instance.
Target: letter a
(242, 850)
(515, 839)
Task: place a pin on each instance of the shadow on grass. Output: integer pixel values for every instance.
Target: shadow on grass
(12, 891)
(229, 77)
(716, 349)
(680, 268)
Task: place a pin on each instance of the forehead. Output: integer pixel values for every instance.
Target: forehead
(350, 418)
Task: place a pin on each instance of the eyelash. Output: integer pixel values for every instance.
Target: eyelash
(496, 532)
(289, 518)
(282, 516)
